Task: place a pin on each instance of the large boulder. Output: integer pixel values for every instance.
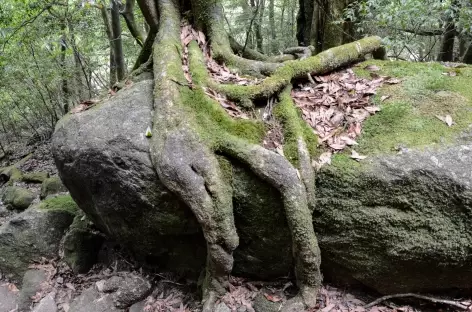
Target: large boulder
(394, 223)
(33, 234)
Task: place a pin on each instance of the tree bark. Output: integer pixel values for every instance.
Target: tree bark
(273, 31)
(128, 15)
(108, 29)
(117, 40)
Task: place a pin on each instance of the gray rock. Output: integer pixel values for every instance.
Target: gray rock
(112, 179)
(132, 289)
(30, 235)
(261, 304)
(91, 300)
(52, 186)
(396, 223)
(81, 245)
(221, 307)
(137, 307)
(32, 281)
(8, 299)
(47, 304)
(17, 198)
(35, 177)
(399, 223)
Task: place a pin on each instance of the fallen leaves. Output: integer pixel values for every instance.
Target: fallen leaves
(83, 106)
(446, 119)
(218, 72)
(355, 155)
(338, 104)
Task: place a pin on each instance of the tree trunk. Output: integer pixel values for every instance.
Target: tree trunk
(317, 24)
(446, 52)
(193, 155)
(273, 36)
(258, 26)
(108, 29)
(128, 15)
(304, 20)
(117, 41)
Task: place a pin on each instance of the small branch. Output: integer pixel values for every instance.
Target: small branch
(431, 299)
(250, 28)
(434, 32)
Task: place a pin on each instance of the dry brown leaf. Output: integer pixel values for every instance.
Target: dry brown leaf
(272, 298)
(384, 98)
(12, 288)
(355, 155)
(446, 119)
(372, 68)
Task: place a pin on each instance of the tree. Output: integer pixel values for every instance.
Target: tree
(192, 138)
(321, 23)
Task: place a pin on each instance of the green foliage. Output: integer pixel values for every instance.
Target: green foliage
(53, 55)
(408, 26)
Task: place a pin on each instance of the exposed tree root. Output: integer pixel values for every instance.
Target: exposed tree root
(185, 164)
(321, 63)
(184, 153)
(430, 299)
(256, 55)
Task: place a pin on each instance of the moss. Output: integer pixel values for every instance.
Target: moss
(294, 127)
(17, 198)
(35, 177)
(60, 203)
(213, 120)
(408, 118)
(52, 186)
(321, 63)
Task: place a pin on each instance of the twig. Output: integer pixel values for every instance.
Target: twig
(432, 299)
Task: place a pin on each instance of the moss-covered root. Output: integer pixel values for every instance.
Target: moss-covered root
(256, 55)
(192, 172)
(296, 136)
(278, 172)
(184, 164)
(321, 63)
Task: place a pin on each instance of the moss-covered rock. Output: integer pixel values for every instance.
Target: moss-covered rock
(59, 203)
(52, 186)
(82, 245)
(17, 198)
(35, 177)
(30, 235)
(394, 222)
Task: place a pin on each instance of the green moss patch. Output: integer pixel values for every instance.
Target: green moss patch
(60, 203)
(408, 117)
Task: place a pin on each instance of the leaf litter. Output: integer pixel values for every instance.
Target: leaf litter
(337, 105)
(218, 72)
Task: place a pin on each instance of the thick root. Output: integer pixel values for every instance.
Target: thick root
(278, 172)
(323, 62)
(256, 55)
(185, 165)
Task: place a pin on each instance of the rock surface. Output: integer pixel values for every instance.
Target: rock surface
(17, 198)
(8, 299)
(30, 235)
(81, 245)
(91, 300)
(398, 223)
(47, 304)
(31, 284)
(52, 186)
